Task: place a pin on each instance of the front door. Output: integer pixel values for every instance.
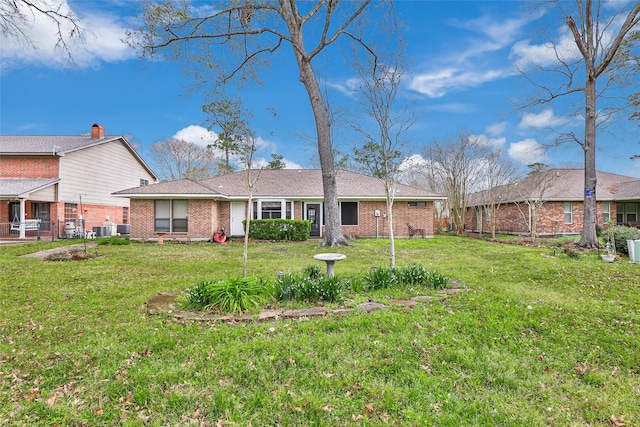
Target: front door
(313, 215)
(237, 216)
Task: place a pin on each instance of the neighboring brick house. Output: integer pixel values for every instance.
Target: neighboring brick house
(186, 209)
(47, 178)
(552, 203)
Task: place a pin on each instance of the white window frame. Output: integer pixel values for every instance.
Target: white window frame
(568, 212)
(606, 211)
(284, 204)
(171, 218)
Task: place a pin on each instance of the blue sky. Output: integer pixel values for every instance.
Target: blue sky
(461, 79)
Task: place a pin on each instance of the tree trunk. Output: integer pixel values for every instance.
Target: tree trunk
(333, 233)
(392, 244)
(589, 238)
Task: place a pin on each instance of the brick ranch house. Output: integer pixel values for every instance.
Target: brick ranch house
(46, 177)
(186, 209)
(552, 201)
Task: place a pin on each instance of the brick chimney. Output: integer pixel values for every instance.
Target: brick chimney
(97, 131)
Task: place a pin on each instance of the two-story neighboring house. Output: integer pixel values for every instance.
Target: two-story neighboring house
(66, 182)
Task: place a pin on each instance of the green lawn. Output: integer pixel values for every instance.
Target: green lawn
(537, 340)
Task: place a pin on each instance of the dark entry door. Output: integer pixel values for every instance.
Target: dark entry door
(313, 215)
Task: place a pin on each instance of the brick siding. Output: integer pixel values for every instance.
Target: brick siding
(29, 167)
(514, 219)
(205, 216)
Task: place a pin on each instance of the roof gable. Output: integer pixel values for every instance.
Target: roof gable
(56, 145)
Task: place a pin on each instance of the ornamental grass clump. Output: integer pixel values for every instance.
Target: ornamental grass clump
(233, 295)
(380, 278)
(311, 286)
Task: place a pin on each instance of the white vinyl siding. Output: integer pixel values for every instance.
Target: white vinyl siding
(98, 171)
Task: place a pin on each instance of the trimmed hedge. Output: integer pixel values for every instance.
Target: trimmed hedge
(297, 230)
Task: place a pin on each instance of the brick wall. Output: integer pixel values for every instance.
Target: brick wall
(371, 226)
(514, 219)
(205, 216)
(29, 167)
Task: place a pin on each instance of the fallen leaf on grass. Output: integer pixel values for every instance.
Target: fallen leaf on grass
(369, 408)
(616, 421)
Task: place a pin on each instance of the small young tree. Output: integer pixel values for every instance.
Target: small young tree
(381, 155)
(231, 117)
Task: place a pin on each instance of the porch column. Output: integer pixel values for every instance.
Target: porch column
(22, 224)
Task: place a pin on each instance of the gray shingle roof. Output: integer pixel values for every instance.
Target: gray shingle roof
(15, 187)
(563, 185)
(292, 183)
(47, 144)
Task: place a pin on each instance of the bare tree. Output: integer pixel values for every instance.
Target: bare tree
(179, 159)
(18, 17)
(540, 185)
(454, 168)
(498, 171)
(597, 36)
(247, 147)
(234, 40)
(381, 154)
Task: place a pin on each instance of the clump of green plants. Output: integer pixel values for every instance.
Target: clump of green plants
(310, 286)
(380, 278)
(233, 295)
(413, 274)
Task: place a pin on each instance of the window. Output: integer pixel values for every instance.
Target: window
(630, 210)
(125, 215)
(421, 204)
(144, 182)
(171, 216)
(606, 211)
(568, 212)
(349, 213)
(265, 209)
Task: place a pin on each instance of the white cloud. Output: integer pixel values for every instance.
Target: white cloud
(203, 137)
(544, 120)
(495, 143)
(527, 151)
(469, 66)
(496, 129)
(102, 42)
(197, 135)
(525, 54)
(438, 83)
